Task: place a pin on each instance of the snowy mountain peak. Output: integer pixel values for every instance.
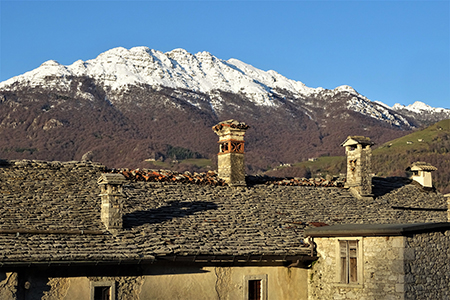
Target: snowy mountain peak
(345, 88)
(50, 63)
(201, 72)
(419, 107)
(119, 68)
(178, 53)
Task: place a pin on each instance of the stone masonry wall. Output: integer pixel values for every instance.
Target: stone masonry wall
(61, 288)
(427, 267)
(8, 285)
(169, 282)
(231, 167)
(383, 272)
(224, 283)
(359, 170)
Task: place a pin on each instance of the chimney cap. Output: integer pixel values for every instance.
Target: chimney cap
(232, 124)
(421, 166)
(357, 139)
(111, 178)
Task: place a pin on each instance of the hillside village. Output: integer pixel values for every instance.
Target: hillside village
(80, 230)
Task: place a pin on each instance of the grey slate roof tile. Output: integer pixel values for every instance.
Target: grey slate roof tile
(163, 219)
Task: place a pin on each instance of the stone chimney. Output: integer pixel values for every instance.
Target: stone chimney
(359, 153)
(231, 151)
(112, 200)
(422, 173)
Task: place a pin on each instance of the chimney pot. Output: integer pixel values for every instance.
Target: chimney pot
(422, 173)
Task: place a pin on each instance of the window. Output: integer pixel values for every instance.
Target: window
(349, 261)
(350, 267)
(255, 287)
(103, 290)
(102, 293)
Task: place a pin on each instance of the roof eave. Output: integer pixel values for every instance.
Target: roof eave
(350, 230)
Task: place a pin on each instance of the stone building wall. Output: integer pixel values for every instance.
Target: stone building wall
(382, 268)
(427, 268)
(8, 285)
(43, 287)
(395, 267)
(226, 283)
(166, 282)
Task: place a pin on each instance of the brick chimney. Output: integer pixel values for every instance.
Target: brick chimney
(231, 151)
(112, 200)
(422, 173)
(359, 153)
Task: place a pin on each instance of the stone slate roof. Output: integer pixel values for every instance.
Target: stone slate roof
(423, 166)
(353, 140)
(50, 212)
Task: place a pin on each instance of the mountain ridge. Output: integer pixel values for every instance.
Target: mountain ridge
(201, 72)
(128, 105)
(118, 68)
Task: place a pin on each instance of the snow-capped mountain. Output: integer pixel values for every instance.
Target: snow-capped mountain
(126, 106)
(119, 68)
(420, 107)
(423, 112)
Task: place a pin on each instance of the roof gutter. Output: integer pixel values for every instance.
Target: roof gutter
(262, 259)
(257, 259)
(348, 230)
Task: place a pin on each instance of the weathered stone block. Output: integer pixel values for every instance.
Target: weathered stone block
(231, 168)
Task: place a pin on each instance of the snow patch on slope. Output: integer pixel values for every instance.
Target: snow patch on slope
(376, 111)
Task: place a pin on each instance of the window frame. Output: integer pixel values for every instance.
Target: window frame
(110, 284)
(340, 281)
(262, 278)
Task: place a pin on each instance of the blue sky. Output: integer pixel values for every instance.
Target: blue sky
(390, 51)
